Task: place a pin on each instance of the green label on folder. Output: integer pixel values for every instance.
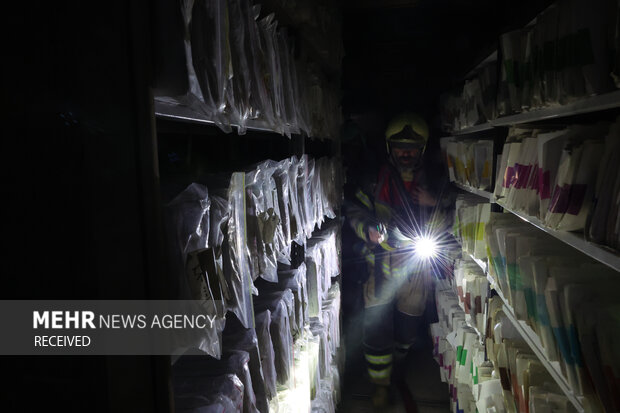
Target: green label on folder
(463, 357)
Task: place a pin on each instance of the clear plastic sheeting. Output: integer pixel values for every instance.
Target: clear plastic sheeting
(295, 281)
(283, 188)
(207, 59)
(188, 233)
(235, 337)
(331, 319)
(267, 354)
(263, 216)
(322, 263)
(228, 65)
(236, 255)
(189, 213)
(220, 394)
(190, 369)
(280, 305)
(296, 396)
(239, 87)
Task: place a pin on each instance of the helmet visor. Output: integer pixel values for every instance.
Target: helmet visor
(407, 135)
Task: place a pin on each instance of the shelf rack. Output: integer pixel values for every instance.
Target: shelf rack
(582, 106)
(533, 341)
(479, 192)
(474, 129)
(183, 113)
(595, 251)
(598, 252)
(590, 104)
(553, 367)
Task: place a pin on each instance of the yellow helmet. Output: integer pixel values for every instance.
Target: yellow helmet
(407, 129)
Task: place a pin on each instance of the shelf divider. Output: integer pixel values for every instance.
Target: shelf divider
(595, 251)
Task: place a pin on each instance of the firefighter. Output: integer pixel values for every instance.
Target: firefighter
(400, 205)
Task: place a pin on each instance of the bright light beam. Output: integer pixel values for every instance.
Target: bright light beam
(426, 248)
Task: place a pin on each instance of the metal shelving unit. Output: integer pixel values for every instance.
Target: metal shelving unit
(474, 129)
(598, 252)
(479, 192)
(595, 251)
(586, 105)
(553, 367)
(182, 113)
(533, 341)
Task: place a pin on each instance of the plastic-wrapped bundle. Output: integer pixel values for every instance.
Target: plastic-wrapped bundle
(263, 221)
(280, 175)
(187, 223)
(189, 215)
(281, 306)
(210, 57)
(294, 280)
(304, 195)
(314, 274)
(236, 258)
(324, 400)
(297, 214)
(236, 337)
(238, 90)
(260, 100)
(319, 331)
(313, 347)
(296, 397)
(267, 354)
(331, 318)
(314, 190)
(219, 394)
(273, 75)
(276, 244)
(195, 368)
(289, 86)
(331, 186)
(322, 258)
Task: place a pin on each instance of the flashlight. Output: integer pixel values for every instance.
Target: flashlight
(425, 247)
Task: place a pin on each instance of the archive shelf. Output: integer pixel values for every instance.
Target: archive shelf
(479, 192)
(585, 105)
(170, 111)
(595, 251)
(582, 106)
(533, 341)
(474, 129)
(598, 252)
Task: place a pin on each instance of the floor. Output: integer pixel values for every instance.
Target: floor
(421, 392)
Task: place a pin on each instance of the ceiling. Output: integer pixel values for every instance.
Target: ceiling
(402, 54)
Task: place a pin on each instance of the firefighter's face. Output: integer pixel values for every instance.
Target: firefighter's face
(406, 157)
